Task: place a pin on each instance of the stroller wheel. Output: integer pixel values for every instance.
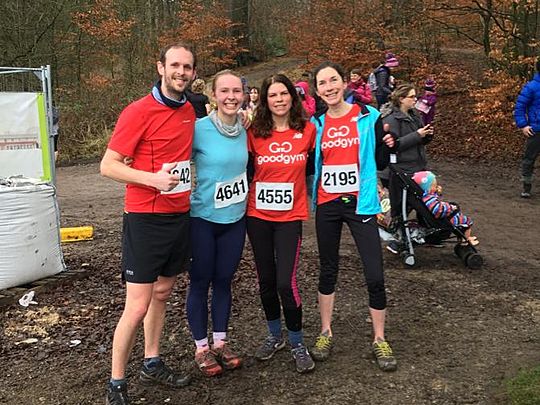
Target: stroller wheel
(474, 261)
(408, 259)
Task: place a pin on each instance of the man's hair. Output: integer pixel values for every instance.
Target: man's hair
(356, 72)
(538, 65)
(179, 44)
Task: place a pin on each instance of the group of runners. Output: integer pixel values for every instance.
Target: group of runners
(248, 181)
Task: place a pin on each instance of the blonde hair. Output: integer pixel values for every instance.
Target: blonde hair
(198, 86)
(223, 73)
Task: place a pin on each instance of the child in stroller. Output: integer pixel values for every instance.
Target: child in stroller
(438, 221)
(440, 209)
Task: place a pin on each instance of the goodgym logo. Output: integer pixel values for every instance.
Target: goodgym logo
(335, 132)
(284, 147)
(279, 153)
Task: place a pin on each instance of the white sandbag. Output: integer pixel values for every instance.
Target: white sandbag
(29, 232)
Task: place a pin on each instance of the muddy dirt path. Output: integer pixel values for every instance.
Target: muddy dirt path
(456, 333)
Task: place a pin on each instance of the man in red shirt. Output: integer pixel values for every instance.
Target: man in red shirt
(155, 133)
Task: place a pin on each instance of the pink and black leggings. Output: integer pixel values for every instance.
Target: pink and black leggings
(276, 247)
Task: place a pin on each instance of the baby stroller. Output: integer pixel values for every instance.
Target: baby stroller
(427, 228)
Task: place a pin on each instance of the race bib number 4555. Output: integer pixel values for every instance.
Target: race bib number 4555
(274, 196)
(231, 192)
(340, 178)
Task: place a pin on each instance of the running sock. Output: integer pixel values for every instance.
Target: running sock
(201, 344)
(117, 383)
(219, 338)
(295, 337)
(274, 327)
(151, 362)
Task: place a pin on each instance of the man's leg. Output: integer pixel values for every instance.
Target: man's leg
(532, 149)
(138, 297)
(155, 317)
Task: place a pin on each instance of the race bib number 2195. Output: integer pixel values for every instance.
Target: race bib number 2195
(339, 178)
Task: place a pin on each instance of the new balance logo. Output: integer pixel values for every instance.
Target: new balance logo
(298, 135)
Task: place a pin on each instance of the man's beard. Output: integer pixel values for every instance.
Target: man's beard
(172, 91)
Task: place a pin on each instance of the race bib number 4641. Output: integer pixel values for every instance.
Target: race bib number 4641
(274, 196)
(339, 178)
(183, 170)
(230, 192)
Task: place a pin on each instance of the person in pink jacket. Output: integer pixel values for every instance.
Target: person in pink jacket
(308, 102)
(357, 89)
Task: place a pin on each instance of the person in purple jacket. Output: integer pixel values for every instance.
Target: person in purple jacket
(527, 116)
(426, 103)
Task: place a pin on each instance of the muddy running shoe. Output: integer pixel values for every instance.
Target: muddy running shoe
(270, 346)
(161, 374)
(302, 358)
(323, 346)
(383, 354)
(207, 363)
(228, 359)
(117, 395)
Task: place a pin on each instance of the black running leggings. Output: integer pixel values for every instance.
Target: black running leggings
(276, 247)
(329, 221)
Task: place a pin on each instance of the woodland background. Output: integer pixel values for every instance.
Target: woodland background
(103, 54)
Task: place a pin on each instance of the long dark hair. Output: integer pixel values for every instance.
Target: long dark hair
(263, 124)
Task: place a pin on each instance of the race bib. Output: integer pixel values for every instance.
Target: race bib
(231, 192)
(274, 196)
(340, 178)
(183, 170)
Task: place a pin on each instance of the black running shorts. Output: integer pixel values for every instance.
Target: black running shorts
(154, 245)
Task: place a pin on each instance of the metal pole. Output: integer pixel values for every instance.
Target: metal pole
(47, 90)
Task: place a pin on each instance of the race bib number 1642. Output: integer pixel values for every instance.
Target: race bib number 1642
(183, 170)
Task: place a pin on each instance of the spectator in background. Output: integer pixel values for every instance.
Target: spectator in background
(426, 103)
(382, 75)
(308, 102)
(253, 102)
(359, 89)
(527, 116)
(412, 135)
(198, 99)
(245, 103)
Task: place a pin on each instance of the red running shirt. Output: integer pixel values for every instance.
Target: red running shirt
(340, 146)
(153, 134)
(278, 190)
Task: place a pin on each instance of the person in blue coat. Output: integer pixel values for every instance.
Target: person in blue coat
(527, 117)
(350, 146)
